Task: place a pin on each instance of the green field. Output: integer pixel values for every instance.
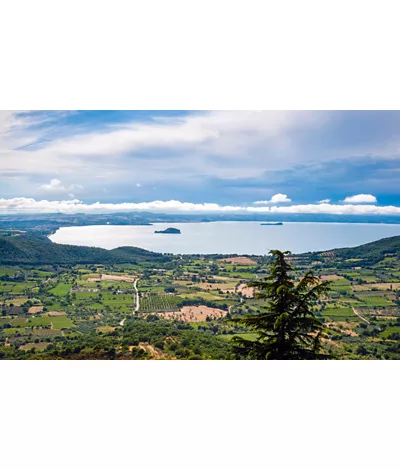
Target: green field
(340, 314)
(61, 321)
(375, 301)
(390, 330)
(61, 289)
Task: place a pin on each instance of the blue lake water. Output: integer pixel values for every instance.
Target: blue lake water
(228, 237)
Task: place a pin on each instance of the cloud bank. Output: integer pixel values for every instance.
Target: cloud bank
(29, 205)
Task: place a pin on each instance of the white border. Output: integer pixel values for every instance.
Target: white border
(199, 55)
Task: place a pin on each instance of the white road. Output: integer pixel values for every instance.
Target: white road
(137, 296)
(358, 315)
(137, 302)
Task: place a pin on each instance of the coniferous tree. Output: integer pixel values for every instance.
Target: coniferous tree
(288, 329)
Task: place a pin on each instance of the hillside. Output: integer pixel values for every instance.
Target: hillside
(367, 254)
(26, 249)
(376, 249)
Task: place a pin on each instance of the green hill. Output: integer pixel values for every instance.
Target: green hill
(27, 249)
(378, 249)
(367, 254)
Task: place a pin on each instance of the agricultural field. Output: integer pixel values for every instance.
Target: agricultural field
(184, 307)
(61, 289)
(159, 303)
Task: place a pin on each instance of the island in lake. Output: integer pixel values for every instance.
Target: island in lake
(169, 230)
(272, 223)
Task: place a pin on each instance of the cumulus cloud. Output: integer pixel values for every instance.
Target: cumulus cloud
(29, 205)
(360, 198)
(275, 199)
(324, 201)
(56, 186)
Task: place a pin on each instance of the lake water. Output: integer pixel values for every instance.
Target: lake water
(227, 237)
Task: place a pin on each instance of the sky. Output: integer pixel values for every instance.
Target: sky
(337, 162)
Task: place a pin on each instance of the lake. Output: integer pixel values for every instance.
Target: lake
(227, 237)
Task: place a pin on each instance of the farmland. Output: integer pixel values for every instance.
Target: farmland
(187, 305)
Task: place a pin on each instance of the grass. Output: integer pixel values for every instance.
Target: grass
(39, 321)
(376, 301)
(19, 322)
(16, 287)
(15, 331)
(58, 322)
(61, 289)
(7, 271)
(391, 329)
(40, 273)
(340, 313)
(148, 288)
(56, 307)
(17, 301)
(61, 321)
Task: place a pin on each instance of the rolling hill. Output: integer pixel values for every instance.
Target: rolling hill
(28, 249)
(377, 249)
(367, 254)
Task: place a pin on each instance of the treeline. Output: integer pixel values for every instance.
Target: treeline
(171, 339)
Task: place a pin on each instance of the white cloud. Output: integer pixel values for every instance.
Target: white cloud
(29, 205)
(280, 198)
(138, 185)
(324, 201)
(275, 199)
(194, 146)
(54, 186)
(198, 143)
(360, 198)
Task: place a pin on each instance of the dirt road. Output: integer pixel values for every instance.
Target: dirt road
(137, 296)
(358, 315)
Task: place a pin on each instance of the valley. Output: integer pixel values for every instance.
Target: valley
(183, 306)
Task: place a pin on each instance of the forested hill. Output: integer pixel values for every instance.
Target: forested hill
(24, 249)
(377, 249)
(368, 253)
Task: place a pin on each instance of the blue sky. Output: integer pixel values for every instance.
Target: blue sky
(227, 158)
